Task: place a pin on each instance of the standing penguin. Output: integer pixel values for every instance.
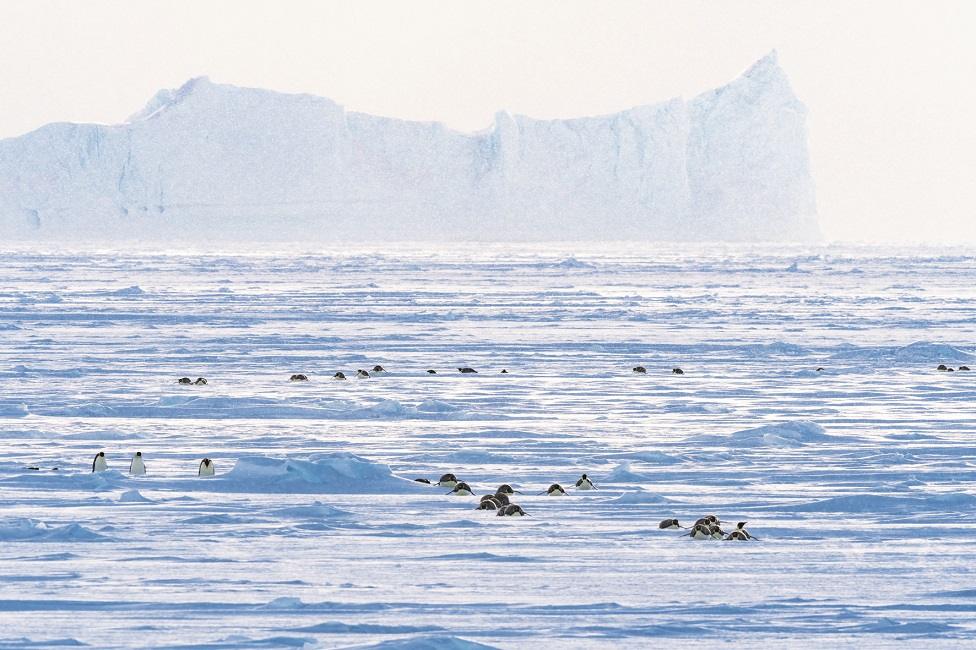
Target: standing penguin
(137, 467)
(99, 464)
(206, 468)
(584, 483)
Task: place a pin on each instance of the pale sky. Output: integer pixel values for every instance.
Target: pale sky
(890, 86)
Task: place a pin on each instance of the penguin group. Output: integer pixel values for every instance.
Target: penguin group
(710, 527)
(379, 370)
(944, 368)
(137, 466)
(501, 500)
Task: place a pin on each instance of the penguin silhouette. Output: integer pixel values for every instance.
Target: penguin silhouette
(99, 464)
(206, 468)
(137, 467)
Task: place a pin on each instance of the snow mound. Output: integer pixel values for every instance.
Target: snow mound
(128, 291)
(623, 474)
(640, 498)
(133, 496)
(426, 643)
(20, 529)
(918, 352)
(882, 503)
(334, 473)
(785, 434)
(316, 510)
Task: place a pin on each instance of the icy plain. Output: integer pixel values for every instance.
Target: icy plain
(858, 479)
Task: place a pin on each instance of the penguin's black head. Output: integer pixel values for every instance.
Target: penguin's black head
(741, 524)
(431, 372)
(101, 454)
(139, 454)
(377, 368)
(206, 462)
(584, 475)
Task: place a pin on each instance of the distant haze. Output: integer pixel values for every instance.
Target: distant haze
(888, 84)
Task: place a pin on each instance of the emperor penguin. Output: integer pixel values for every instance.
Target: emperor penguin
(963, 367)
(298, 377)
(942, 367)
(137, 467)
(488, 504)
(378, 370)
(447, 480)
(584, 483)
(505, 488)
(493, 498)
(740, 533)
(362, 374)
(669, 524)
(200, 381)
(206, 468)
(502, 499)
(503, 372)
(716, 531)
(184, 380)
(461, 489)
(467, 371)
(677, 371)
(339, 375)
(555, 490)
(431, 372)
(640, 370)
(699, 531)
(99, 464)
(511, 510)
(425, 481)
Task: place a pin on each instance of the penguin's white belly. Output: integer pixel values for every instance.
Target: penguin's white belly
(557, 493)
(462, 493)
(207, 471)
(100, 464)
(584, 486)
(137, 467)
(448, 484)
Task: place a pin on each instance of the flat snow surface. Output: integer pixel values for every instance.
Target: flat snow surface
(858, 480)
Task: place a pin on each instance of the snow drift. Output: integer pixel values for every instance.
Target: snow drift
(333, 473)
(211, 160)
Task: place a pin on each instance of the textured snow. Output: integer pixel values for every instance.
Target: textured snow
(859, 480)
(221, 162)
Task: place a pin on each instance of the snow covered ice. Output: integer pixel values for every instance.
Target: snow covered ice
(858, 479)
(209, 161)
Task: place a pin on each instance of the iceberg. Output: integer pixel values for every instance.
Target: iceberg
(212, 161)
